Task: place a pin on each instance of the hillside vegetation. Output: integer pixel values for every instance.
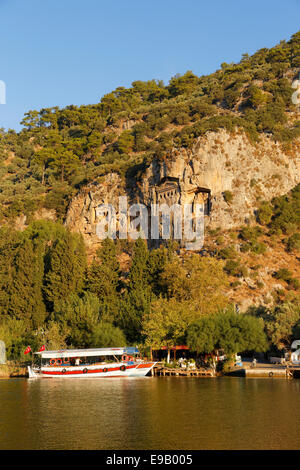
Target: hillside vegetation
(60, 150)
(50, 294)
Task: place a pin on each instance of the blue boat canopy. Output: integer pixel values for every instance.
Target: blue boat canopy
(132, 350)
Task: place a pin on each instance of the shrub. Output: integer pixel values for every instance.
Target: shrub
(233, 268)
(250, 233)
(258, 248)
(264, 213)
(283, 274)
(228, 196)
(294, 283)
(235, 284)
(293, 242)
(227, 253)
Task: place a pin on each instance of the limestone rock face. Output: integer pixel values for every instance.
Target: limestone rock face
(223, 163)
(218, 163)
(82, 213)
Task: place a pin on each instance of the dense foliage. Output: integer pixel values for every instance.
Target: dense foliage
(49, 295)
(48, 292)
(229, 332)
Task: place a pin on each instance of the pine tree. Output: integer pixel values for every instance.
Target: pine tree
(157, 262)
(139, 272)
(9, 242)
(78, 317)
(26, 300)
(103, 274)
(137, 301)
(103, 280)
(65, 270)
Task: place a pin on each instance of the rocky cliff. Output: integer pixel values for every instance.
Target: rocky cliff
(226, 171)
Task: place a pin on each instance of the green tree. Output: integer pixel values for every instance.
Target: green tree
(106, 335)
(139, 272)
(183, 84)
(65, 161)
(53, 336)
(136, 301)
(280, 324)
(227, 331)
(157, 262)
(65, 268)
(16, 336)
(78, 318)
(200, 280)
(256, 96)
(26, 300)
(125, 142)
(9, 243)
(103, 274)
(42, 158)
(167, 322)
(133, 306)
(103, 280)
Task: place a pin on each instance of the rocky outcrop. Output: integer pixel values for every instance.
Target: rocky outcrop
(82, 213)
(225, 171)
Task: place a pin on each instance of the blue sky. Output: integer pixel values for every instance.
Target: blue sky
(60, 52)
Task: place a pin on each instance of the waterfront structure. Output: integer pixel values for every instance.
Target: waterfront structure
(2, 352)
(295, 355)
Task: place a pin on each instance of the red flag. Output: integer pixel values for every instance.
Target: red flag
(42, 348)
(27, 350)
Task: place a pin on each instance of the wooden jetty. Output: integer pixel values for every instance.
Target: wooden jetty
(282, 371)
(269, 372)
(160, 371)
(286, 371)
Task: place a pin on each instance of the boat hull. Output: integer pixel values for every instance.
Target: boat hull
(104, 371)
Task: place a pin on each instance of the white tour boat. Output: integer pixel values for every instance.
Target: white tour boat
(84, 363)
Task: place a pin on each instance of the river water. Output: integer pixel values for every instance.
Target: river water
(150, 413)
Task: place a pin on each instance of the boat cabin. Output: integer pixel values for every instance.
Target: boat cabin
(80, 357)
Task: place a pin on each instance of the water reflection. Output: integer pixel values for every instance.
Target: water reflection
(150, 413)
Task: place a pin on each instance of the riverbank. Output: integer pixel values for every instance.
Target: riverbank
(13, 369)
(266, 369)
(262, 369)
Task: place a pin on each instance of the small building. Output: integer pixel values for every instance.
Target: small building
(295, 355)
(173, 349)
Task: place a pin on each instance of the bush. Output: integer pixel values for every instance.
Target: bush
(264, 213)
(283, 274)
(293, 242)
(294, 283)
(258, 248)
(235, 284)
(250, 233)
(228, 252)
(233, 268)
(228, 196)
